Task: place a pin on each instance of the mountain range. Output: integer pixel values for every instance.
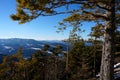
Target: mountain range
(29, 46)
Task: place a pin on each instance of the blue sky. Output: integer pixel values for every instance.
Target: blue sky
(41, 28)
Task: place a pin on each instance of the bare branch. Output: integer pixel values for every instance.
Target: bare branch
(96, 15)
(56, 13)
(102, 7)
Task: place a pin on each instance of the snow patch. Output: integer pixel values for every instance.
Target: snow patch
(29, 44)
(36, 48)
(117, 65)
(7, 47)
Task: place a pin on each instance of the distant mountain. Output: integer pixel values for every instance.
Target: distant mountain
(10, 46)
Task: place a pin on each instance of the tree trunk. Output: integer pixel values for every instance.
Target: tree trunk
(107, 62)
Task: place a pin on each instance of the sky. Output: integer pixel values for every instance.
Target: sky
(41, 28)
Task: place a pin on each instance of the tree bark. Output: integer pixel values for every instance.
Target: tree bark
(107, 62)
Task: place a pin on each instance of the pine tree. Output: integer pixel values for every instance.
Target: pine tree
(98, 10)
(46, 47)
(80, 62)
(74, 23)
(96, 35)
(39, 61)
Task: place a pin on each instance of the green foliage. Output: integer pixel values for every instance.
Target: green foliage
(97, 31)
(44, 66)
(73, 23)
(28, 10)
(57, 50)
(46, 47)
(80, 62)
(89, 10)
(13, 67)
(41, 66)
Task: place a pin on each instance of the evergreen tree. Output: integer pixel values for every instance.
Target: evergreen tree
(98, 10)
(96, 35)
(39, 61)
(46, 47)
(80, 62)
(12, 67)
(74, 23)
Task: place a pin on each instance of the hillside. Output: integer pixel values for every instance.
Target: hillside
(10, 46)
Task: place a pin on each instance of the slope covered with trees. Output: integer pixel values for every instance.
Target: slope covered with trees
(83, 62)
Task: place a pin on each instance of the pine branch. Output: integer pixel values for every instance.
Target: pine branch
(95, 15)
(102, 7)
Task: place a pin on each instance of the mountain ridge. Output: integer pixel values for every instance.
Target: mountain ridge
(11, 45)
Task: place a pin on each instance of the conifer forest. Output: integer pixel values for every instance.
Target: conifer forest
(96, 57)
